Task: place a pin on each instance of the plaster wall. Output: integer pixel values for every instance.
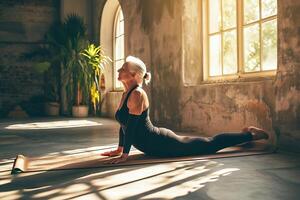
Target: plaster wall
(287, 84)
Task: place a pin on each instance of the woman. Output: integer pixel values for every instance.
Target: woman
(136, 128)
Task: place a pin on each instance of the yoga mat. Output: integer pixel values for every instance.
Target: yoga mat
(93, 159)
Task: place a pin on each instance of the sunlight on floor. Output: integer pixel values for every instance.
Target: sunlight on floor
(147, 181)
(54, 125)
(167, 180)
(11, 195)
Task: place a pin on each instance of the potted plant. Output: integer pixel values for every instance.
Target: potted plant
(92, 64)
(81, 66)
(67, 40)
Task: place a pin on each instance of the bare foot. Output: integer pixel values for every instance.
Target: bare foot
(257, 133)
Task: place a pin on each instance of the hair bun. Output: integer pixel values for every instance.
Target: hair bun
(147, 77)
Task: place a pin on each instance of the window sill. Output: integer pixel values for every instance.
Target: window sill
(232, 79)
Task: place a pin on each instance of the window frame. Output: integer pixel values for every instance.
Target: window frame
(116, 23)
(240, 43)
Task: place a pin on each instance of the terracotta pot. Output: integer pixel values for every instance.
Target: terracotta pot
(80, 111)
(52, 109)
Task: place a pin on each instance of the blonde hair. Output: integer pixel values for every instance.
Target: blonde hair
(139, 67)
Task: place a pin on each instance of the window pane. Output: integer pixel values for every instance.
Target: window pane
(119, 51)
(121, 16)
(269, 8)
(251, 11)
(229, 14)
(122, 46)
(214, 16)
(121, 27)
(118, 30)
(215, 55)
(251, 48)
(230, 52)
(119, 24)
(269, 40)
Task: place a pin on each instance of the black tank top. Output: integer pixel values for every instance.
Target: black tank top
(123, 112)
(144, 129)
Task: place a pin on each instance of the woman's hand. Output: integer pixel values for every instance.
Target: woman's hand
(113, 153)
(120, 159)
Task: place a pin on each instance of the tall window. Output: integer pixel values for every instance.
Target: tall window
(241, 36)
(119, 55)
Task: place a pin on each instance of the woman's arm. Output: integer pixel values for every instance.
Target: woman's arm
(131, 127)
(121, 137)
(135, 106)
(120, 146)
(128, 138)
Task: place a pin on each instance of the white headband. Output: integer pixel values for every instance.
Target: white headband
(137, 62)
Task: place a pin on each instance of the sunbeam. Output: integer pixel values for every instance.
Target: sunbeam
(53, 125)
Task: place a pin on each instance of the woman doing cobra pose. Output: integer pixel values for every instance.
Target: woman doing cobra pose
(137, 130)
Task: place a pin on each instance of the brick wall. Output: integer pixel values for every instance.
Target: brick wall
(23, 24)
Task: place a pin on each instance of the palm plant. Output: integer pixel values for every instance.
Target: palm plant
(66, 41)
(76, 34)
(92, 65)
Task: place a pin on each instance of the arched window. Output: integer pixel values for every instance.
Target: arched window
(118, 38)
